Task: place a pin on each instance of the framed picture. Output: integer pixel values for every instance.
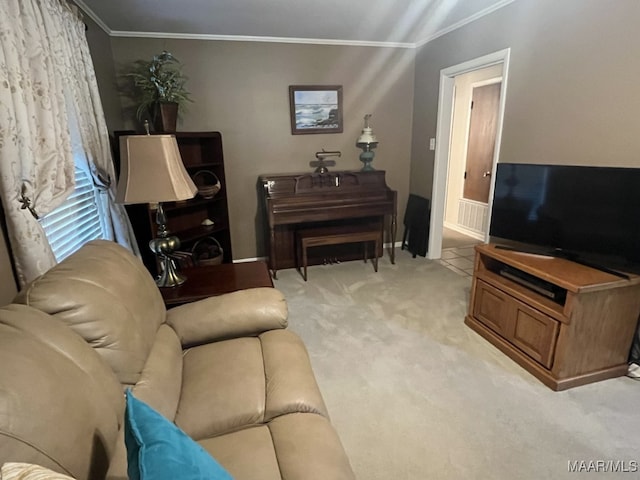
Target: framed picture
(315, 109)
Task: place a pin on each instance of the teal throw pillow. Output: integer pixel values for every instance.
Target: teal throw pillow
(158, 450)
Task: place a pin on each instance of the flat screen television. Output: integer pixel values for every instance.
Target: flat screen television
(587, 214)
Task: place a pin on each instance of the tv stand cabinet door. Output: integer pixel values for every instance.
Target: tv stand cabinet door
(494, 309)
(535, 334)
(527, 329)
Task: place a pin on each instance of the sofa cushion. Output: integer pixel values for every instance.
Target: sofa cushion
(160, 383)
(291, 385)
(106, 295)
(223, 387)
(159, 387)
(247, 454)
(298, 446)
(59, 337)
(52, 412)
(158, 450)
(308, 448)
(236, 383)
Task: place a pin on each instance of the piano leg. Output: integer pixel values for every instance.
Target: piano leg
(394, 228)
(272, 256)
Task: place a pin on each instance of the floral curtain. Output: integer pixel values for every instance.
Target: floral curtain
(86, 111)
(47, 85)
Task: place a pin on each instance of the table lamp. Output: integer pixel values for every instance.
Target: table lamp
(151, 171)
(367, 141)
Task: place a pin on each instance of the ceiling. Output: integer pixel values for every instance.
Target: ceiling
(404, 23)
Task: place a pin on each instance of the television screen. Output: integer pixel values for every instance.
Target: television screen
(588, 214)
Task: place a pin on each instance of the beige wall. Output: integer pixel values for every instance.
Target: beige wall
(102, 56)
(572, 93)
(241, 90)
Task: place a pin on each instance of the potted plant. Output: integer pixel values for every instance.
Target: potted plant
(160, 90)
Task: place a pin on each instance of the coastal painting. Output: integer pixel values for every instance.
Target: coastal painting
(315, 109)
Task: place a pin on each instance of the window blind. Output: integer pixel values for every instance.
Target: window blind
(76, 221)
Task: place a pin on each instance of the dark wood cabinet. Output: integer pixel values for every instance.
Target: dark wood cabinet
(565, 323)
(203, 157)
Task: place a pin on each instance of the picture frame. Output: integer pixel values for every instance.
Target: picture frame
(315, 109)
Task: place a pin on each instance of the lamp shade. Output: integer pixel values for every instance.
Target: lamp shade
(151, 170)
(366, 137)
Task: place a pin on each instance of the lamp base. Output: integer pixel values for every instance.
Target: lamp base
(162, 247)
(169, 277)
(367, 154)
(366, 157)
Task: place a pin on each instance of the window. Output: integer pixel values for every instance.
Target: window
(77, 221)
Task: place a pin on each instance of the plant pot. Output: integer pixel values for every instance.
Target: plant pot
(166, 117)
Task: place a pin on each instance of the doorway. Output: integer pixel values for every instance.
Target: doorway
(476, 106)
(444, 168)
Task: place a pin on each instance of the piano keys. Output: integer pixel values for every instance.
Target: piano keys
(292, 201)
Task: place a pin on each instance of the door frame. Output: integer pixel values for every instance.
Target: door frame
(443, 140)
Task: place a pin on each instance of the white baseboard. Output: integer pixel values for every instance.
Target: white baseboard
(251, 259)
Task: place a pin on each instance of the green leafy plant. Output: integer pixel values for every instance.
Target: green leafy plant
(157, 81)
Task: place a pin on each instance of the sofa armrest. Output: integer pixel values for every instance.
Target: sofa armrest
(238, 314)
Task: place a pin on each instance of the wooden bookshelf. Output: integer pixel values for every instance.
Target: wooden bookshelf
(199, 151)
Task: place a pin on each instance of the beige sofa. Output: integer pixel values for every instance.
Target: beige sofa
(225, 370)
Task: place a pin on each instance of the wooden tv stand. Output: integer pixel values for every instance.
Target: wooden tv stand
(581, 337)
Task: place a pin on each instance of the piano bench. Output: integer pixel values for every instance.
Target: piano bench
(316, 237)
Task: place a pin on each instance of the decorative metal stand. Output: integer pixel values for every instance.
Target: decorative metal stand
(163, 245)
(322, 163)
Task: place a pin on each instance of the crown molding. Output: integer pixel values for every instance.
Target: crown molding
(249, 38)
(83, 6)
(465, 21)
(309, 41)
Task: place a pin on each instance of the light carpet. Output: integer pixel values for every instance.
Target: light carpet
(415, 394)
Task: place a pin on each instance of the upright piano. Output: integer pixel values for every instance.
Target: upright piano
(294, 201)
